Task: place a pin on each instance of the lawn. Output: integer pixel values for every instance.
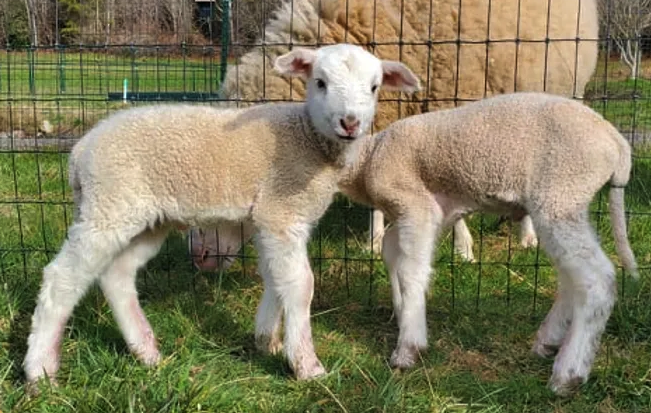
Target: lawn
(482, 317)
(71, 87)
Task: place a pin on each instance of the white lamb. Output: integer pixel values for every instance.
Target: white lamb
(514, 154)
(146, 170)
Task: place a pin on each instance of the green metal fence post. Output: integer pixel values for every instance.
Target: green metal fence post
(226, 34)
(30, 70)
(62, 71)
(134, 80)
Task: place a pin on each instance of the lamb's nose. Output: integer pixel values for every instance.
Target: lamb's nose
(350, 124)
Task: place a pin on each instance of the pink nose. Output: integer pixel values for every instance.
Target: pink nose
(349, 124)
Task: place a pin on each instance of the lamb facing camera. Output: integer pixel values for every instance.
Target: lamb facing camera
(143, 171)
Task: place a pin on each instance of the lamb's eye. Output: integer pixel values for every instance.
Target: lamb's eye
(320, 84)
(373, 88)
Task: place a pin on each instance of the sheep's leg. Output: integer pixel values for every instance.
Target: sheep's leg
(412, 268)
(268, 321)
(528, 237)
(463, 240)
(377, 231)
(84, 256)
(285, 269)
(390, 254)
(552, 331)
(119, 286)
(575, 250)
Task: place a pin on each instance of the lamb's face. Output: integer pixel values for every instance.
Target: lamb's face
(342, 91)
(343, 82)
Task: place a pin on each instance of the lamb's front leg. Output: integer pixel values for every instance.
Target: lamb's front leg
(410, 270)
(268, 320)
(289, 285)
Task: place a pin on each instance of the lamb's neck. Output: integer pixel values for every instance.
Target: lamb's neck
(352, 180)
(336, 153)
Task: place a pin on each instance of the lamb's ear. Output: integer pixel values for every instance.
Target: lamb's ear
(398, 78)
(298, 62)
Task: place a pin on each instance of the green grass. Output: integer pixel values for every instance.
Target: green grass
(74, 73)
(480, 336)
(625, 103)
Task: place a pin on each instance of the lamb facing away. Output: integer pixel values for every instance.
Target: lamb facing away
(424, 35)
(515, 154)
(145, 170)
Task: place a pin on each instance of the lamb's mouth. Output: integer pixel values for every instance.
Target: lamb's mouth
(346, 137)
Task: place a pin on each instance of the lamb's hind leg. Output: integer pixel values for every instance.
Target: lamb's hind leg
(463, 240)
(573, 247)
(552, 331)
(528, 237)
(119, 286)
(390, 254)
(377, 231)
(84, 256)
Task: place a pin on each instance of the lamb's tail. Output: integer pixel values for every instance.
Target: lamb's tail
(618, 181)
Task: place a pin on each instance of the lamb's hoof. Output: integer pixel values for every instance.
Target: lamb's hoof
(529, 241)
(149, 357)
(32, 387)
(545, 350)
(310, 370)
(566, 386)
(270, 345)
(469, 257)
(405, 357)
(465, 254)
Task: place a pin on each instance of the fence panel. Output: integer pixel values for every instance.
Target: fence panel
(85, 62)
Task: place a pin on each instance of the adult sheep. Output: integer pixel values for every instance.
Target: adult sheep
(451, 72)
(141, 172)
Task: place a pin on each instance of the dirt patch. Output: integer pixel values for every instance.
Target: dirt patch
(474, 361)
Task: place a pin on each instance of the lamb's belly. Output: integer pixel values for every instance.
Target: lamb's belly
(213, 216)
(503, 203)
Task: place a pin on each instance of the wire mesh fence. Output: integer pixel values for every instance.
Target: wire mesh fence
(66, 64)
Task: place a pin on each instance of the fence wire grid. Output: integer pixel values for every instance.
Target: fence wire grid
(66, 64)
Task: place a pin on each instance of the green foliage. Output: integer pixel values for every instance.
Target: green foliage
(71, 13)
(16, 29)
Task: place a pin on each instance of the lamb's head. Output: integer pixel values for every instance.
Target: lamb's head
(343, 82)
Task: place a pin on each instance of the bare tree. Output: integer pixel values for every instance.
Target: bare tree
(248, 21)
(31, 19)
(626, 21)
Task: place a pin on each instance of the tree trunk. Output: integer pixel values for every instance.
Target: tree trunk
(109, 16)
(31, 17)
(630, 54)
